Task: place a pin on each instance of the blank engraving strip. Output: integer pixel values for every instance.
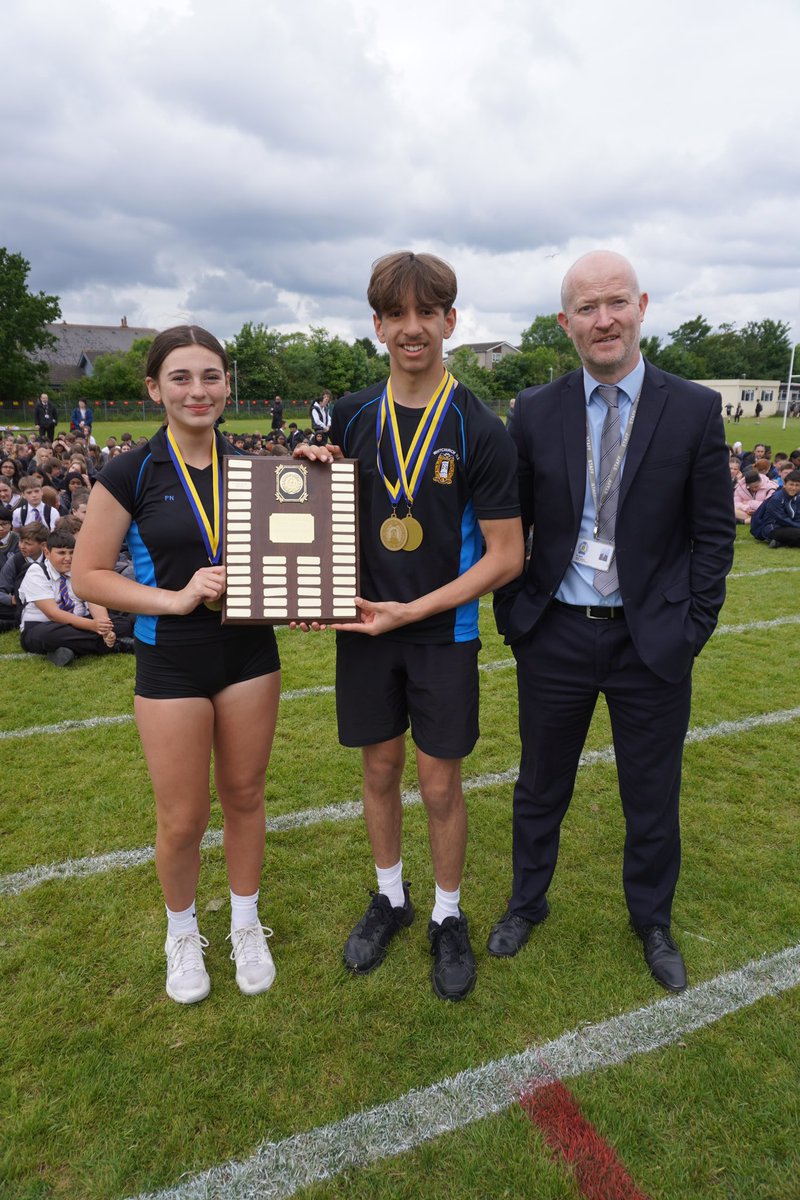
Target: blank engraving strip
(239, 537)
(343, 536)
(275, 585)
(309, 586)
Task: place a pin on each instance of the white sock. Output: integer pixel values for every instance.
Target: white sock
(446, 904)
(390, 883)
(182, 922)
(244, 910)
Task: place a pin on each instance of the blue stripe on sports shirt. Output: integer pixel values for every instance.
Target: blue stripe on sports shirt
(466, 623)
(355, 417)
(144, 626)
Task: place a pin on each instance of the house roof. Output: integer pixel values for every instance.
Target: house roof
(483, 347)
(72, 341)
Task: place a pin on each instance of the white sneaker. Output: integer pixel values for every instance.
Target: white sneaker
(187, 977)
(255, 970)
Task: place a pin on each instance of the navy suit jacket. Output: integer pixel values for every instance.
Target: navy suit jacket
(675, 521)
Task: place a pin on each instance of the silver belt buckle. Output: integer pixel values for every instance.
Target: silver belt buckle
(591, 616)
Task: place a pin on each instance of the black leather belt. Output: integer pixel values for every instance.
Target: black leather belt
(596, 612)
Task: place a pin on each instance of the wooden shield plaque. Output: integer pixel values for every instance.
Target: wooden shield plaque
(290, 541)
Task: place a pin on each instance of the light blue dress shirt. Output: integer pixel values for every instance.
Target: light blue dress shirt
(577, 586)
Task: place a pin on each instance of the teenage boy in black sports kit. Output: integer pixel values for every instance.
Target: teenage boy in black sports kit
(437, 482)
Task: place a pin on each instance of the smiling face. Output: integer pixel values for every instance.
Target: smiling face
(413, 333)
(602, 314)
(192, 385)
(61, 558)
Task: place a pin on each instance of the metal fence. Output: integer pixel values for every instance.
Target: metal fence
(20, 413)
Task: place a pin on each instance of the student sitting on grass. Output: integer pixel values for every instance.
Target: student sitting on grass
(9, 540)
(749, 494)
(777, 521)
(80, 498)
(32, 541)
(32, 507)
(55, 621)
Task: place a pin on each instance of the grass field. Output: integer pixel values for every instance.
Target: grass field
(747, 431)
(108, 1089)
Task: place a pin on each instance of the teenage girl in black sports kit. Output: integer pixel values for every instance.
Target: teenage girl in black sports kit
(199, 684)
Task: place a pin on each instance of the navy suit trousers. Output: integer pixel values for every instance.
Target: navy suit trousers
(562, 668)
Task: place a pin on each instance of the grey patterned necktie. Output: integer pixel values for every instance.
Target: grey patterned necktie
(607, 582)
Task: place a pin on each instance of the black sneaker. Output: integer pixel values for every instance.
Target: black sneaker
(453, 974)
(366, 947)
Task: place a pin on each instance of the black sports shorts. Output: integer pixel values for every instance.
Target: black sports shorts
(205, 668)
(383, 686)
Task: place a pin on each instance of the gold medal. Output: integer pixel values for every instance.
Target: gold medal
(413, 533)
(394, 534)
(215, 605)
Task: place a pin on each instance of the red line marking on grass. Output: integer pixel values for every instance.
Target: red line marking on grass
(598, 1172)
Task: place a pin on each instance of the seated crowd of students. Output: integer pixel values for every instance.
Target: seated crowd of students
(44, 490)
(766, 493)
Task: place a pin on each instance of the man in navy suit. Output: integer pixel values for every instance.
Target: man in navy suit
(624, 477)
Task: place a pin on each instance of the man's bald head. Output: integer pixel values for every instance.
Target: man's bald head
(602, 313)
(597, 264)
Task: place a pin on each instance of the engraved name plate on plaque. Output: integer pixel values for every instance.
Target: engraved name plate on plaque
(290, 540)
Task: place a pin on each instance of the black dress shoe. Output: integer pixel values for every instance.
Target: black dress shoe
(509, 935)
(663, 957)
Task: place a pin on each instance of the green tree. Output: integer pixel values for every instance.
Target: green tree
(300, 363)
(360, 376)
(679, 361)
(691, 335)
(463, 364)
(340, 367)
(545, 333)
(115, 378)
(23, 334)
(723, 354)
(650, 347)
(370, 349)
(767, 348)
(378, 369)
(255, 350)
(515, 372)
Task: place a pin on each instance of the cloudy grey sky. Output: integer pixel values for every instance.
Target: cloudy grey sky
(185, 159)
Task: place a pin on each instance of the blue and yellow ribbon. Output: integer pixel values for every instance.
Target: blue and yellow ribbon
(410, 466)
(209, 529)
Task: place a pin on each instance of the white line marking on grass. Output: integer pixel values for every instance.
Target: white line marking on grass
(279, 1169)
(763, 571)
(64, 727)
(301, 693)
(15, 657)
(500, 664)
(751, 626)
(80, 868)
(98, 722)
